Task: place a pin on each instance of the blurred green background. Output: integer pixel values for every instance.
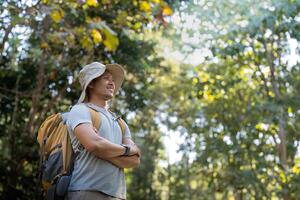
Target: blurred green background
(211, 93)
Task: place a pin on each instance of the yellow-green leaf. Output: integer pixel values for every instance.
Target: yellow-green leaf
(167, 11)
(195, 81)
(156, 1)
(106, 1)
(121, 18)
(93, 3)
(145, 6)
(296, 169)
(137, 25)
(86, 42)
(97, 38)
(111, 40)
(57, 15)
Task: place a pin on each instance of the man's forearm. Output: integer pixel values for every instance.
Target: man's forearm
(125, 161)
(105, 149)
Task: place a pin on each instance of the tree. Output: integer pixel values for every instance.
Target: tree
(241, 113)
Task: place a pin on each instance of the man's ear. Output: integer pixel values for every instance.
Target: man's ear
(91, 85)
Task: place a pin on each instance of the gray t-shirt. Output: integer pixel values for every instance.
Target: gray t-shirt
(91, 172)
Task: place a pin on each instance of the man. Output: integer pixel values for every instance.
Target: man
(99, 168)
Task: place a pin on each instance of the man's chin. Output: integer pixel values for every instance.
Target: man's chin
(108, 97)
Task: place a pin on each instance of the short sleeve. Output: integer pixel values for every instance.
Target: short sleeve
(79, 114)
(127, 132)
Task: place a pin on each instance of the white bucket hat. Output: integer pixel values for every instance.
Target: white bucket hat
(96, 69)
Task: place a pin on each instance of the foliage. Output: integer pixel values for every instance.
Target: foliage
(244, 131)
(237, 111)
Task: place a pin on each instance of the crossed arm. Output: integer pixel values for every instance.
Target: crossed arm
(106, 150)
(126, 161)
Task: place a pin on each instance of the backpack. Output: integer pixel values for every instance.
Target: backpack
(57, 155)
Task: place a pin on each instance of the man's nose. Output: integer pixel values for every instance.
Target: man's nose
(111, 82)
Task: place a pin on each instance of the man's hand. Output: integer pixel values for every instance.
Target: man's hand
(131, 161)
(134, 150)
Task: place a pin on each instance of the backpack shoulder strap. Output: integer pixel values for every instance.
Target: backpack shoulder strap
(122, 125)
(96, 119)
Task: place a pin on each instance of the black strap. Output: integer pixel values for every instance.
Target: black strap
(74, 156)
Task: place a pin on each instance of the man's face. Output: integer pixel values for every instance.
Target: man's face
(103, 86)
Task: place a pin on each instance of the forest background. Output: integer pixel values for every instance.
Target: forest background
(211, 92)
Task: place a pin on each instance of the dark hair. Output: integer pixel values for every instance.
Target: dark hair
(87, 90)
(87, 94)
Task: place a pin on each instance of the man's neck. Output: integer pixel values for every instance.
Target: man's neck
(99, 102)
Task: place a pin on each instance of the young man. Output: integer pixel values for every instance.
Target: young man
(99, 168)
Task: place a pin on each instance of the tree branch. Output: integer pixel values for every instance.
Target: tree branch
(262, 76)
(5, 38)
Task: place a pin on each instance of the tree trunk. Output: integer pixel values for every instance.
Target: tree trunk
(238, 195)
(187, 177)
(282, 150)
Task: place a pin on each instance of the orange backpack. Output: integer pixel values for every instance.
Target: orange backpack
(56, 154)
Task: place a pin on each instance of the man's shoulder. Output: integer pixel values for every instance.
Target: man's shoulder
(78, 114)
(79, 106)
(78, 109)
